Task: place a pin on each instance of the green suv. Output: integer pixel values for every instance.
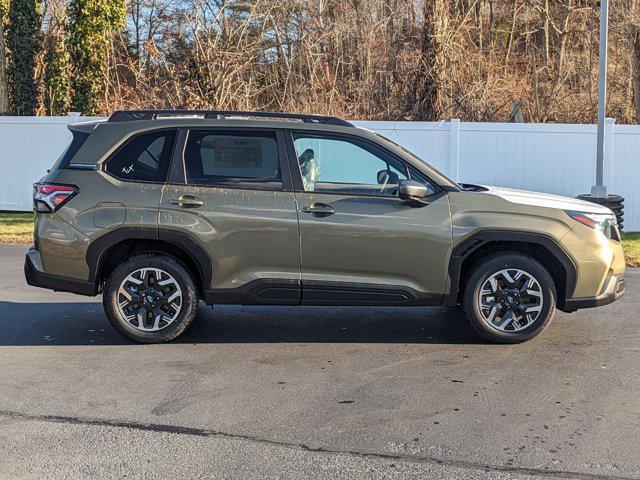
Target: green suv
(160, 209)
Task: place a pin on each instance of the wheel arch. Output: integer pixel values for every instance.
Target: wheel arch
(537, 245)
(112, 248)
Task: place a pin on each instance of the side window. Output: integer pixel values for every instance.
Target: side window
(340, 165)
(418, 176)
(232, 157)
(144, 158)
(68, 153)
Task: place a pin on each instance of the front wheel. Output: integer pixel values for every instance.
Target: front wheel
(150, 298)
(509, 298)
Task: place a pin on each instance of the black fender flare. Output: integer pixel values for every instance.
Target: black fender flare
(202, 260)
(477, 240)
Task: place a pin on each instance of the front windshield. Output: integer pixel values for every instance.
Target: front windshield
(413, 155)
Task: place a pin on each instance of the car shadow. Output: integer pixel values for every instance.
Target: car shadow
(84, 323)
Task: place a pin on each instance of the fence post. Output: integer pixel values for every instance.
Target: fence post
(454, 144)
(74, 116)
(609, 152)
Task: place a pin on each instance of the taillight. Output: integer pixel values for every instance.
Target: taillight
(48, 197)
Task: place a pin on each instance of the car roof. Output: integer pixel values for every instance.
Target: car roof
(125, 124)
(142, 120)
(138, 115)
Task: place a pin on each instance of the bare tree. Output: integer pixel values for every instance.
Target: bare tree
(634, 49)
(387, 59)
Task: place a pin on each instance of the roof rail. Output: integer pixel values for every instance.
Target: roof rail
(132, 115)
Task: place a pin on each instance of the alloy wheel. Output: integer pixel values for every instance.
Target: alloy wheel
(149, 299)
(510, 300)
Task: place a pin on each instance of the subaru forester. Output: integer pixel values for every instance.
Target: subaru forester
(157, 210)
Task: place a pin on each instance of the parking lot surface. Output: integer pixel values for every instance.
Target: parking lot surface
(277, 392)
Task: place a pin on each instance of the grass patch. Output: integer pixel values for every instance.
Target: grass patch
(631, 245)
(16, 227)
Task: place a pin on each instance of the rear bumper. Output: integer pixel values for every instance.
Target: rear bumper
(612, 291)
(37, 278)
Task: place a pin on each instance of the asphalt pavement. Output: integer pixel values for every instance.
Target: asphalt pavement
(280, 392)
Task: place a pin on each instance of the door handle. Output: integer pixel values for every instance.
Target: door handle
(319, 209)
(187, 201)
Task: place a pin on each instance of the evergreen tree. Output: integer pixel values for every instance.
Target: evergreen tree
(24, 42)
(91, 24)
(56, 69)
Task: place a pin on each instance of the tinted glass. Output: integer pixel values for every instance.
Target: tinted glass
(68, 153)
(224, 157)
(340, 165)
(144, 158)
(418, 174)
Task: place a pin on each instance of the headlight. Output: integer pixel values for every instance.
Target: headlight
(605, 222)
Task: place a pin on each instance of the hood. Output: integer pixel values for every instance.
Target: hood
(547, 200)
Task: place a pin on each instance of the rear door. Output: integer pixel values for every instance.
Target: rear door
(127, 187)
(360, 244)
(139, 168)
(230, 190)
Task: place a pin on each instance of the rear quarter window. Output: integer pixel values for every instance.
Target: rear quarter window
(68, 153)
(144, 158)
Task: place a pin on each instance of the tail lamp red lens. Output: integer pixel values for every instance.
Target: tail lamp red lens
(48, 197)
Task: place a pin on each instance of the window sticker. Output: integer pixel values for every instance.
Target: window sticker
(235, 153)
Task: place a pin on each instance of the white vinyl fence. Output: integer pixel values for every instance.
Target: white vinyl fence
(553, 158)
(29, 146)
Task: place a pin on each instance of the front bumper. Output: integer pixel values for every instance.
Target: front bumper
(613, 290)
(37, 278)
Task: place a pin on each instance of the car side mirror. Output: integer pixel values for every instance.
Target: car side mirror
(414, 193)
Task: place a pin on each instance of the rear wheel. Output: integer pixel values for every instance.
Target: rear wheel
(150, 298)
(509, 298)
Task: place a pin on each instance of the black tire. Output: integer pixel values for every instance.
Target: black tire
(188, 306)
(481, 272)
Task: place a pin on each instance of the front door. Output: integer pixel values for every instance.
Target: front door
(360, 244)
(234, 198)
